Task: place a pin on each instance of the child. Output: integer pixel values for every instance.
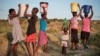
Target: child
(85, 32)
(16, 31)
(31, 30)
(42, 38)
(74, 30)
(64, 40)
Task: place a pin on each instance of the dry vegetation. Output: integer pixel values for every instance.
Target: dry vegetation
(53, 32)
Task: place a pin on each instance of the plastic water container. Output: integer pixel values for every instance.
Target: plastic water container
(22, 10)
(74, 7)
(86, 8)
(65, 23)
(45, 5)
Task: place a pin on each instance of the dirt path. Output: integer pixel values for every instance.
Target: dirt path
(54, 49)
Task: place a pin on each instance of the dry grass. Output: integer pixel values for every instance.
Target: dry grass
(53, 32)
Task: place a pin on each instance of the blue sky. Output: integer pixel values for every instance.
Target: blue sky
(57, 8)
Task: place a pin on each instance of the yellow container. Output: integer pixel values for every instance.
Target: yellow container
(74, 7)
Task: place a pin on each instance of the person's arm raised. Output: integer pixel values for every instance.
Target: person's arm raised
(79, 10)
(25, 13)
(91, 13)
(18, 10)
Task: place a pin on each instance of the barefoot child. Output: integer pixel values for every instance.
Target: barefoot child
(31, 30)
(85, 32)
(16, 31)
(64, 40)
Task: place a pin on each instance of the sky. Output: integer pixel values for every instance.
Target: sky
(57, 8)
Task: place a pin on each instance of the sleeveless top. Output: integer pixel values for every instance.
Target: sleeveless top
(43, 24)
(86, 24)
(32, 25)
(74, 23)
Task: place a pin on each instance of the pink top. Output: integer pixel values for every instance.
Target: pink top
(86, 24)
(74, 23)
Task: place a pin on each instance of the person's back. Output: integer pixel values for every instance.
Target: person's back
(86, 24)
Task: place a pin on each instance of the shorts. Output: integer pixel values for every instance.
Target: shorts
(64, 43)
(85, 35)
(42, 38)
(74, 36)
(31, 38)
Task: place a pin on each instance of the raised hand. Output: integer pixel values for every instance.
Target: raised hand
(27, 5)
(19, 5)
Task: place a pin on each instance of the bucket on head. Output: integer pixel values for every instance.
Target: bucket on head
(74, 7)
(65, 23)
(86, 8)
(45, 5)
(22, 10)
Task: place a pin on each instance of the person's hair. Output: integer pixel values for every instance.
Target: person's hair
(65, 29)
(11, 10)
(35, 9)
(74, 13)
(42, 15)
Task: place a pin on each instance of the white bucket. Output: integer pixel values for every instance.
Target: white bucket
(45, 5)
(22, 10)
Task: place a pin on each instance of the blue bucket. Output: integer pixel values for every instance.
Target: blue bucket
(86, 8)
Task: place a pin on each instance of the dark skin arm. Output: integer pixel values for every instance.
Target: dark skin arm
(81, 14)
(79, 11)
(69, 27)
(45, 14)
(25, 13)
(91, 13)
(18, 10)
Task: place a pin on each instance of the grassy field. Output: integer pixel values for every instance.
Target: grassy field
(54, 33)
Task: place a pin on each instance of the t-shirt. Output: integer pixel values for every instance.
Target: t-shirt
(65, 36)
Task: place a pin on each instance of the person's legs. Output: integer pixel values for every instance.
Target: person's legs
(45, 47)
(62, 49)
(65, 50)
(73, 46)
(15, 49)
(36, 49)
(28, 48)
(10, 50)
(76, 46)
(85, 42)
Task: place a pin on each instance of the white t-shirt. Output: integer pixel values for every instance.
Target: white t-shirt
(65, 36)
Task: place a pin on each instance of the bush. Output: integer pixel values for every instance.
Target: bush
(95, 39)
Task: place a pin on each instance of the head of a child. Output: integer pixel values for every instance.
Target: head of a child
(43, 16)
(65, 30)
(12, 12)
(74, 14)
(85, 14)
(35, 10)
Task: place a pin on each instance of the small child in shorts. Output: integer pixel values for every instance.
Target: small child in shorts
(64, 40)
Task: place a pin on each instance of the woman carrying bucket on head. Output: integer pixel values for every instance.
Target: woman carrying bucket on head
(31, 30)
(85, 31)
(17, 35)
(42, 37)
(74, 25)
